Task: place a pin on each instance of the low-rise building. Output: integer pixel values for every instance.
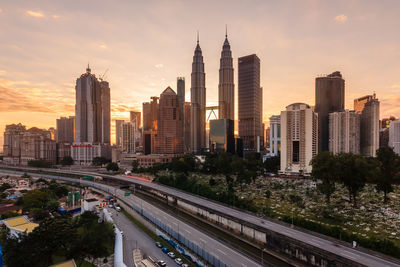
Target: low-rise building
(84, 153)
(145, 161)
(18, 225)
(394, 136)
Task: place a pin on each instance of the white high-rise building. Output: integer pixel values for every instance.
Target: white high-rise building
(118, 132)
(299, 136)
(344, 132)
(394, 136)
(274, 135)
(129, 133)
(198, 102)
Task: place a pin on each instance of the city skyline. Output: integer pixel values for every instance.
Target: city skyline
(44, 50)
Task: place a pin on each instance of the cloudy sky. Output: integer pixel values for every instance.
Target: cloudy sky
(146, 44)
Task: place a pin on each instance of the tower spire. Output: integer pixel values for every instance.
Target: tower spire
(88, 68)
(226, 30)
(197, 36)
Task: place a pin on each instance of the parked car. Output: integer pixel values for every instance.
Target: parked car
(117, 208)
(165, 250)
(185, 265)
(158, 244)
(161, 263)
(178, 261)
(171, 255)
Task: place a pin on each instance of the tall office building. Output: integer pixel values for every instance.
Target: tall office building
(186, 127)
(65, 129)
(180, 85)
(129, 132)
(150, 124)
(105, 112)
(250, 102)
(198, 102)
(221, 136)
(368, 106)
(92, 109)
(299, 131)
(329, 97)
(394, 136)
(118, 132)
(135, 118)
(275, 135)
(169, 138)
(150, 114)
(344, 132)
(226, 87)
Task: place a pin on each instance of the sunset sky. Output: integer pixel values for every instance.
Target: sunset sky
(46, 45)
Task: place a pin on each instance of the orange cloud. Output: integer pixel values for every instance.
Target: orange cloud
(341, 18)
(35, 14)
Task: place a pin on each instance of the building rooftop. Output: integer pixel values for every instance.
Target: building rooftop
(20, 224)
(70, 263)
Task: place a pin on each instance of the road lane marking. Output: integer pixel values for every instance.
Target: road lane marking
(221, 251)
(188, 231)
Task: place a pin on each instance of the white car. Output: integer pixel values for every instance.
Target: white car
(171, 255)
(178, 261)
(117, 208)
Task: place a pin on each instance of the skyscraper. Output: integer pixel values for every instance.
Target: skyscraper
(275, 135)
(368, 106)
(299, 124)
(198, 102)
(329, 97)
(221, 136)
(180, 85)
(129, 137)
(65, 129)
(135, 117)
(187, 124)
(344, 132)
(118, 132)
(150, 124)
(226, 87)
(250, 102)
(394, 136)
(169, 138)
(92, 109)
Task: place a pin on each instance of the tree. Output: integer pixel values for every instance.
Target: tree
(135, 166)
(112, 166)
(100, 161)
(35, 199)
(324, 168)
(388, 171)
(67, 161)
(272, 164)
(353, 171)
(39, 163)
(4, 187)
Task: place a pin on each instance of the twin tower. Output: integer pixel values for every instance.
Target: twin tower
(226, 94)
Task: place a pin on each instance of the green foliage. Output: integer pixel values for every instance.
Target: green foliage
(67, 161)
(60, 237)
(39, 163)
(135, 166)
(100, 161)
(324, 168)
(4, 187)
(36, 199)
(388, 170)
(25, 175)
(112, 166)
(268, 193)
(272, 164)
(8, 214)
(58, 189)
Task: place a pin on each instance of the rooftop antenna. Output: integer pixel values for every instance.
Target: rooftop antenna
(101, 78)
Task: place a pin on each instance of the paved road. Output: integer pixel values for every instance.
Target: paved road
(312, 240)
(333, 247)
(134, 237)
(221, 251)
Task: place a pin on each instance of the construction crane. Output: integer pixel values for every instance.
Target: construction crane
(101, 78)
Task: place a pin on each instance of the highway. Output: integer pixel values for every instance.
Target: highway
(312, 240)
(219, 250)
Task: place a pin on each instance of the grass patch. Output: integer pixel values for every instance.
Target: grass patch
(155, 237)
